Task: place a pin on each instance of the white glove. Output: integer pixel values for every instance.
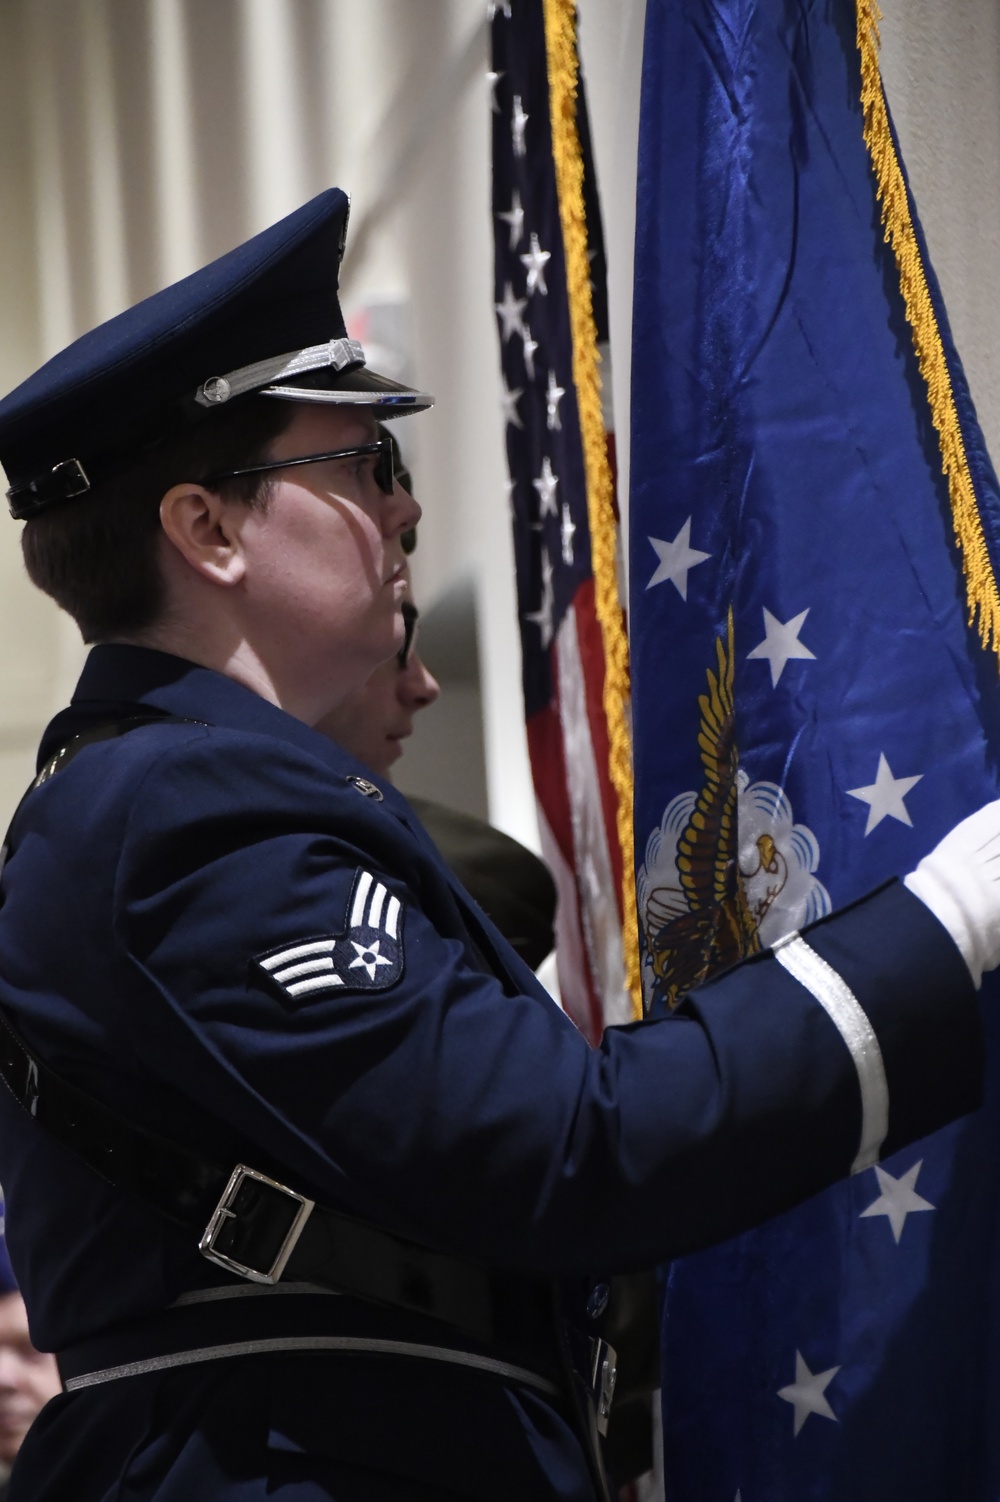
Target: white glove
(960, 882)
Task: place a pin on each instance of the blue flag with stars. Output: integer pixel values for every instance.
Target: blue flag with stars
(804, 491)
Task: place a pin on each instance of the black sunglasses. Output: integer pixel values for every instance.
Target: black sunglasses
(410, 615)
(382, 472)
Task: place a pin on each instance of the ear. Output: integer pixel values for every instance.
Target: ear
(205, 531)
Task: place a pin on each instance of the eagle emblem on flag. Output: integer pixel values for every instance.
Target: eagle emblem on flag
(367, 955)
(728, 870)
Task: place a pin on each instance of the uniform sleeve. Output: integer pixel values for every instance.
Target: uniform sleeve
(297, 972)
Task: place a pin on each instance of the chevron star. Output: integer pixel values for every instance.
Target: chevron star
(518, 121)
(534, 264)
(509, 400)
(510, 311)
(546, 485)
(542, 617)
(781, 643)
(898, 1199)
(368, 957)
(806, 1393)
(677, 558)
(515, 218)
(553, 397)
(885, 796)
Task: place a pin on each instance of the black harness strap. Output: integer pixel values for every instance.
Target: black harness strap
(61, 758)
(261, 1230)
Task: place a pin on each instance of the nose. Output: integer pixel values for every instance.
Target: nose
(417, 685)
(403, 512)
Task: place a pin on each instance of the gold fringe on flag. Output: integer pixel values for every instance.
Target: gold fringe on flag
(563, 70)
(980, 582)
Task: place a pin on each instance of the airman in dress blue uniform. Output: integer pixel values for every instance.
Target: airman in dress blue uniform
(226, 950)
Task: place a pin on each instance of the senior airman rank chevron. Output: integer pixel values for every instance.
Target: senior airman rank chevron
(367, 956)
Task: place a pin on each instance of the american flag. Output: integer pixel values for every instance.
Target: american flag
(563, 651)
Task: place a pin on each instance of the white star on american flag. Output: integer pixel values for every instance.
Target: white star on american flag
(530, 345)
(553, 397)
(542, 617)
(510, 399)
(567, 531)
(535, 261)
(515, 218)
(518, 121)
(546, 485)
(510, 311)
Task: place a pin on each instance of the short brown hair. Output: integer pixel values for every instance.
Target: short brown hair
(97, 556)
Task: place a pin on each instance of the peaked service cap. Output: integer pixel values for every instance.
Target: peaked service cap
(264, 318)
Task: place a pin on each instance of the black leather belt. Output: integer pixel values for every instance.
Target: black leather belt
(215, 1324)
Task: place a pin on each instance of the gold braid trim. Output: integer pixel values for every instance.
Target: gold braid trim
(563, 70)
(980, 582)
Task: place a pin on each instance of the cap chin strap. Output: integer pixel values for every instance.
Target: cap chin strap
(336, 354)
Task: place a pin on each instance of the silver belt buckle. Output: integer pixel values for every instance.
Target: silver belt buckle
(603, 1375)
(224, 1212)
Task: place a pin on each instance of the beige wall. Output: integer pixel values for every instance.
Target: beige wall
(140, 137)
(941, 65)
(29, 628)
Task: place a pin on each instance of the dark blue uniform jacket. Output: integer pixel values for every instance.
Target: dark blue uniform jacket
(210, 928)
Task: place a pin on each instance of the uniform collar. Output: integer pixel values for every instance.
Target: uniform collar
(114, 674)
(117, 678)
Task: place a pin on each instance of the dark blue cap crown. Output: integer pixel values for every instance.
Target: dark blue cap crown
(264, 318)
